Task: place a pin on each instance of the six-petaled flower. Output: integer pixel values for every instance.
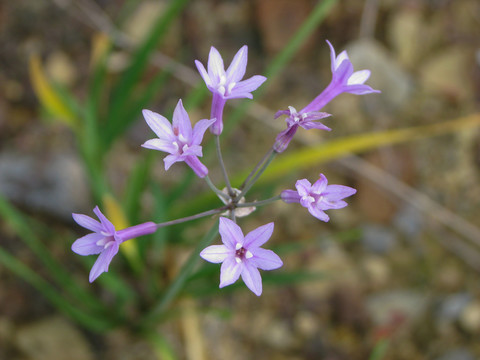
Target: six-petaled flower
(105, 240)
(178, 138)
(318, 197)
(242, 255)
(228, 84)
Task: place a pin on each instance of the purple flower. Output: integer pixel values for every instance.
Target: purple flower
(178, 138)
(294, 120)
(226, 85)
(318, 197)
(105, 240)
(242, 255)
(343, 80)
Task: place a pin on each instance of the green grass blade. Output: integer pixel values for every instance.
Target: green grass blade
(125, 86)
(95, 323)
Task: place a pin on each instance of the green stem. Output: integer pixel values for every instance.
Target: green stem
(260, 203)
(222, 166)
(217, 191)
(258, 174)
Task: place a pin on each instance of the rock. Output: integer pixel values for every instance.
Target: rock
(377, 271)
(452, 306)
(378, 239)
(54, 183)
(52, 339)
(457, 354)
(395, 83)
(470, 317)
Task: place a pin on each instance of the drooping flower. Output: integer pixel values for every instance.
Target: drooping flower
(318, 197)
(294, 120)
(344, 80)
(105, 240)
(177, 138)
(242, 255)
(228, 84)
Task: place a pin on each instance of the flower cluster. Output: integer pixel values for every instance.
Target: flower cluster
(241, 255)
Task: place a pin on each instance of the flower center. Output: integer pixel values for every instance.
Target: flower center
(106, 242)
(241, 254)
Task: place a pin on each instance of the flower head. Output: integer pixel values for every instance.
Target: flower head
(242, 255)
(294, 120)
(104, 240)
(177, 138)
(344, 80)
(228, 84)
(318, 197)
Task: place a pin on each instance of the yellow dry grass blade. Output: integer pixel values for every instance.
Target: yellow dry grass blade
(100, 46)
(305, 158)
(48, 95)
(116, 215)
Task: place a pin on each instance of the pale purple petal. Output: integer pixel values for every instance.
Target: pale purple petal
(338, 192)
(332, 56)
(343, 56)
(108, 226)
(230, 271)
(199, 130)
(251, 277)
(343, 73)
(200, 170)
(359, 89)
(203, 73)
(258, 237)
(320, 185)
(245, 87)
(159, 124)
(280, 113)
(181, 121)
(266, 259)
(307, 125)
(87, 222)
(236, 70)
(216, 69)
(169, 160)
(230, 232)
(290, 196)
(325, 204)
(303, 187)
(216, 253)
(194, 150)
(358, 77)
(319, 214)
(161, 145)
(103, 261)
(87, 245)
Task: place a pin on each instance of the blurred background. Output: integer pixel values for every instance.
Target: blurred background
(395, 275)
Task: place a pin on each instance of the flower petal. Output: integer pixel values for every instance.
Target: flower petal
(229, 271)
(332, 56)
(307, 125)
(266, 259)
(251, 277)
(87, 245)
(159, 124)
(338, 192)
(230, 232)
(203, 73)
(236, 70)
(161, 145)
(245, 87)
(216, 69)
(320, 185)
(108, 226)
(181, 121)
(359, 89)
(199, 130)
(258, 237)
(319, 214)
(327, 205)
(196, 165)
(103, 262)
(358, 77)
(169, 160)
(87, 222)
(303, 187)
(216, 253)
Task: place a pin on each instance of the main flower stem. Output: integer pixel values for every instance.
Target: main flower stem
(267, 162)
(193, 217)
(265, 157)
(259, 203)
(222, 166)
(216, 190)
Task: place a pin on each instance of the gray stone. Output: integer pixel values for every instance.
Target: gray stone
(378, 239)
